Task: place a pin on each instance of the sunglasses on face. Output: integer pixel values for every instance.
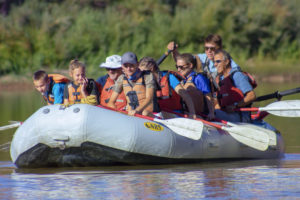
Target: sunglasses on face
(181, 66)
(210, 48)
(218, 61)
(129, 66)
(111, 69)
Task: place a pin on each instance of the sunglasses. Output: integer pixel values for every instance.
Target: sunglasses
(129, 65)
(111, 69)
(181, 66)
(210, 48)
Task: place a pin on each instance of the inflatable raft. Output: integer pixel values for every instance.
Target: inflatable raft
(84, 135)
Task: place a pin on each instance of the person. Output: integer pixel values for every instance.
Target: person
(81, 89)
(205, 60)
(235, 91)
(113, 67)
(170, 92)
(197, 85)
(139, 88)
(50, 86)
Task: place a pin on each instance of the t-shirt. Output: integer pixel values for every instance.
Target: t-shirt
(58, 93)
(201, 82)
(241, 81)
(172, 79)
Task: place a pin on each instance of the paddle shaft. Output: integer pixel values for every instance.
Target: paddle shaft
(163, 57)
(278, 95)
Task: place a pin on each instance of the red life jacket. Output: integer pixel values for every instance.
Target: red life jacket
(228, 93)
(167, 97)
(106, 94)
(54, 78)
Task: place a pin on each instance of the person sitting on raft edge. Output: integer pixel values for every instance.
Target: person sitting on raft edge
(139, 88)
(170, 93)
(81, 89)
(51, 86)
(236, 90)
(113, 67)
(196, 84)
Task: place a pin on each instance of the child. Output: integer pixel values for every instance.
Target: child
(81, 89)
(50, 86)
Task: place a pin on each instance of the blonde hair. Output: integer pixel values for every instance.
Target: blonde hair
(74, 64)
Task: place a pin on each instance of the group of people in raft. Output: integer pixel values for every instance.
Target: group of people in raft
(208, 85)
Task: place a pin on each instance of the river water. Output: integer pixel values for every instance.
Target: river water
(247, 179)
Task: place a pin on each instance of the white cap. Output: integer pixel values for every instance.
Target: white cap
(112, 62)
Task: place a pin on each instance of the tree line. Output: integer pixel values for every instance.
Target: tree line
(48, 34)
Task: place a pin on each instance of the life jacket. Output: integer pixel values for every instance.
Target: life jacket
(228, 93)
(75, 91)
(106, 94)
(136, 95)
(196, 95)
(54, 78)
(167, 97)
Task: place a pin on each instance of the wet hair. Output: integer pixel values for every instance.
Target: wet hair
(74, 64)
(148, 62)
(188, 58)
(39, 75)
(214, 38)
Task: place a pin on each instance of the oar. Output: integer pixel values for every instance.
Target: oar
(278, 95)
(182, 126)
(163, 57)
(288, 108)
(251, 137)
(13, 124)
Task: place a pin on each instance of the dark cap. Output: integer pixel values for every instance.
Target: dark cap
(129, 57)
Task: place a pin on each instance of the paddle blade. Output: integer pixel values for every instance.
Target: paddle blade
(182, 126)
(254, 138)
(14, 125)
(289, 108)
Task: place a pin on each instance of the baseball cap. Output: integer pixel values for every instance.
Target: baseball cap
(129, 57)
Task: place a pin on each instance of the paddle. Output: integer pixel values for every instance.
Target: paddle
(289, 108)
(13, 124)
(182, 126)
(255, 138)
(278, 95)
(163, 57)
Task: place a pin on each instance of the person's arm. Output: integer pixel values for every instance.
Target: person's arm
(248, 99)
(149, 99)
(66, 95)
(172, 46)
(187, 99)
(210, 106)
(112, 100)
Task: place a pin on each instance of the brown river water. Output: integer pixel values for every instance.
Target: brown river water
(247, 179)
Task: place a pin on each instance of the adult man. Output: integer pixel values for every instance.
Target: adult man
(113, 67)
(235, 89)
(50, 86)
(139, 87)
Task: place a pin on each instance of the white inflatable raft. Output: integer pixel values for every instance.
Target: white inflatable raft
(84, 135)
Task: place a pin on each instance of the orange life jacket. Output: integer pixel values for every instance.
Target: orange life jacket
(54, 78)
(74, 91)
(106, 94)
(167, 97)
(136, 95)
(196, 95)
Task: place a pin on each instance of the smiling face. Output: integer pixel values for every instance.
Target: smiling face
(210, 49)
(129, 69)
(78, 75)
(184, 68)
(220, 63)
(114, 73)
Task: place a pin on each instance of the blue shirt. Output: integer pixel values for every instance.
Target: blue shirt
(211, 65)
(172, 79)
(200, 81)
(241, 81)
(58, 93)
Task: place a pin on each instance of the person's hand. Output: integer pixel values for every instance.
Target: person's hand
(192, 116)
(84, 85)
(172, 46)
(132, 112)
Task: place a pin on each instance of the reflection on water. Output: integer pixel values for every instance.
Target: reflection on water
(229, 180)
(254, 179)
